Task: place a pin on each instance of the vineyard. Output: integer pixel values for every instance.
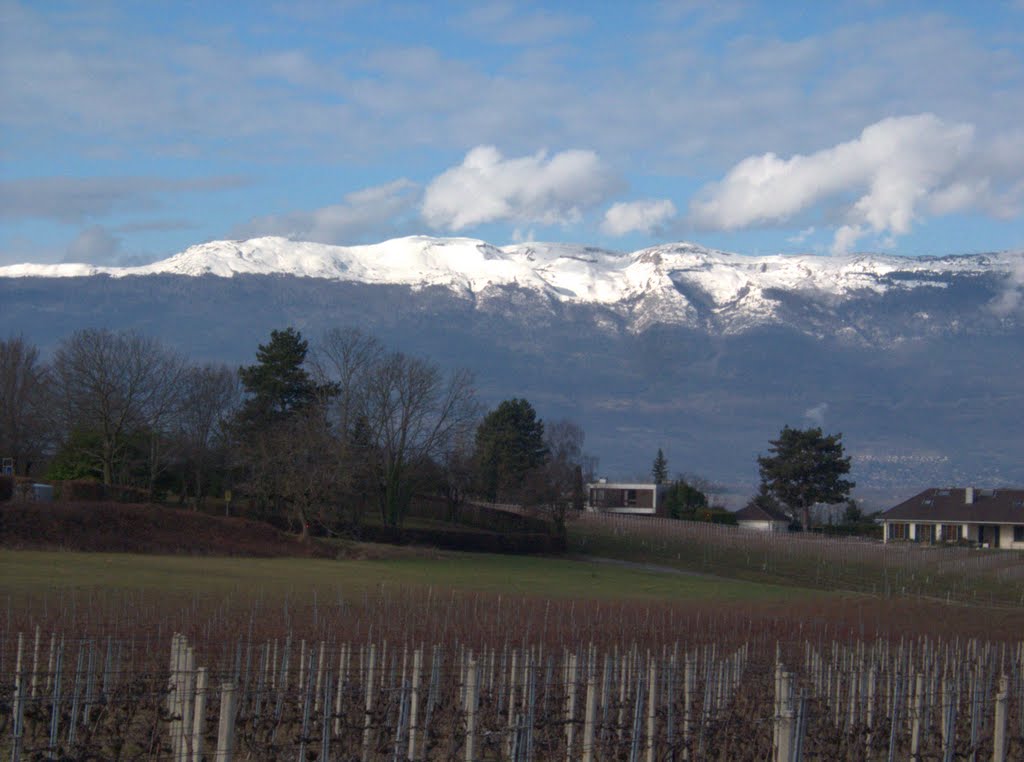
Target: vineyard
(423, 675)
(954, 574)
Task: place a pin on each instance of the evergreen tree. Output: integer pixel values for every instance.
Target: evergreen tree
(852, 514)
(660, 468)
(509, 444)
(805, 468)
(683, 500)
(579, 489)
(278, 384)
(283, 431)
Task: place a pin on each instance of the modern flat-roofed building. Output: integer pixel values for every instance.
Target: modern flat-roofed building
(627, 497)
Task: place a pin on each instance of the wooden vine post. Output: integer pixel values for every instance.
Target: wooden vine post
(471, 675)
(226, 727)
(999, 739)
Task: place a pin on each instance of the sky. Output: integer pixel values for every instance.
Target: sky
(130, 131)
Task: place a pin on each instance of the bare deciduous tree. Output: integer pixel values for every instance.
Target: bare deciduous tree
(345, 358)
(344, 361)
(24, 403)
(563, 472)
(308, 480)
(210, 395)
(413, 413)
(114, 385)
(161, 412)
(393, 413)
(458, 473)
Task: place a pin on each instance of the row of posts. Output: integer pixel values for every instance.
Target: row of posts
(188, 693)
(790, 713)
(186, 705)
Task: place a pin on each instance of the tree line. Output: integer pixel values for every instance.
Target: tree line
(805, 468)
(318, 437)
(310, 437)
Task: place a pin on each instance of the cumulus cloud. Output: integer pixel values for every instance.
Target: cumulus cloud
(645, 216)
(883, 181)
(487, 187)
(374, 212)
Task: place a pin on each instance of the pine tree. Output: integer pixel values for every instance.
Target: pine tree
(278, 384)
(660, 468)
(806, 468)
(509, 444)
(283, 431)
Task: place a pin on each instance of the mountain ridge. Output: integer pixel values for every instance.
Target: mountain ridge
(703, 353)
(682, 283)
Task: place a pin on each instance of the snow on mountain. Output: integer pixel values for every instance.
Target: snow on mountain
(668, 277)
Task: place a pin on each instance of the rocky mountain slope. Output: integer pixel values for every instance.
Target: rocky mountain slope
(681, 283)
(706, 354)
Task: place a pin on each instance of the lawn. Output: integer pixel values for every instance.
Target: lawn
(35, 572)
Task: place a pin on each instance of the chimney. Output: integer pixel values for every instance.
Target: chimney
(969, 495)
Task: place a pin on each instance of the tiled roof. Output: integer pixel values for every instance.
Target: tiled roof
(999, 506)
(756, 513)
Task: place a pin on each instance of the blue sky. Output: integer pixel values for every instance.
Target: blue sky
(132, 130)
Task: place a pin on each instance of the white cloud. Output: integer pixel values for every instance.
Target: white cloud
(94, 245)
(73, 199)
(897, 170)
(801, 236)
(370, 213)
(509, 24)
(645, 216)
(1011, 298)
(816, 414)
(157, 88)
(487, 187)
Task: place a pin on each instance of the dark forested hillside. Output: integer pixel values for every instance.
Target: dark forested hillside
(924, 384)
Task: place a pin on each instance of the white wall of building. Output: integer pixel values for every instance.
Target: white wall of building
(764, 526)
(967, 532)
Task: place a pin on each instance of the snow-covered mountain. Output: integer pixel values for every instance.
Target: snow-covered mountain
(918, 361)
(678, 283)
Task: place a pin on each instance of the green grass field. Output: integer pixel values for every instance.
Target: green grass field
(32, 573)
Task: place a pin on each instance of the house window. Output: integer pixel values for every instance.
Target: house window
(899, 531)
(1018, 533)
(631, 497)
(950, 532)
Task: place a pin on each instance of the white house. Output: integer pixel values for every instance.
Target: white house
(992, 518)
(762, 519)
(625, 497)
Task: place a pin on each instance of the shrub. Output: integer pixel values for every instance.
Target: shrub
(128, 494)
(465, 540)
(77, 490)
(88, 490)
(108, 527)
